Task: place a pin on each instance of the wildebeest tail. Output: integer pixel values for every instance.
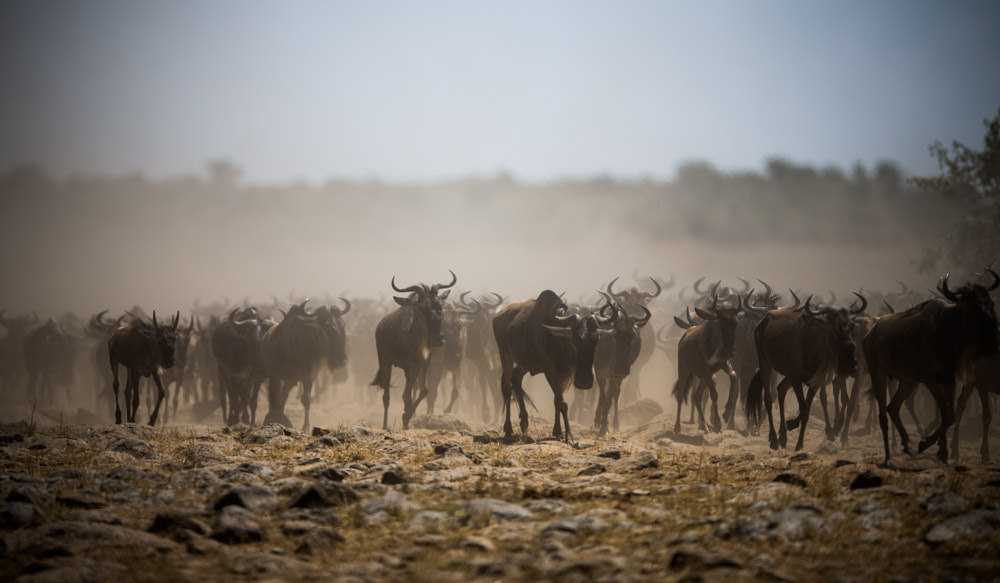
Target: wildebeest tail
(754, 405)
(382, 377)
(681, 389)
(520, 393)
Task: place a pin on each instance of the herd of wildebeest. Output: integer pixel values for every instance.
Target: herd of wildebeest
(887, 344)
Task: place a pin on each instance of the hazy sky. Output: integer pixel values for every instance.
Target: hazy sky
(434, 89)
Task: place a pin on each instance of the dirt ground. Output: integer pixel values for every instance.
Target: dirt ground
(451, 503)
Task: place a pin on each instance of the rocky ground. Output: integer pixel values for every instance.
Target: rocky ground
(443, 503)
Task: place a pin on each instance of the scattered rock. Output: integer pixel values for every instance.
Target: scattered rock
(324, 472)
(944, 503)
(799, 457)
(430, 520)
(325, 495)
(614, 454)
(236, 525)
(17, 515)
(136, 448)
(392, 502)
(842, 463)
(249, 496)
(324, 442)
(643, 461)
(866, 479)
(478, 543)
(177, 525)
(495, 508)
(81, 502)
(695, 560)
(790, 478)
(320, 432)
(266, 433)
(394, 477)
(978, 525)
(319, 539)
(592, 470)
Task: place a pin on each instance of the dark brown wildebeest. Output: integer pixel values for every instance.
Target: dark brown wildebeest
(174, 378)
(447, 358)
(331, 320)
(292, 353)
(614, 358)
(634, 301)
(143, 348)
(48, 358)
(808, 347)
(705, 349)
(934, 344)
(540, 336)
(985, 380)
(236, 344)
(405, 338)
(100, 329)
(12, 371)
(744, 349)
(481, 354)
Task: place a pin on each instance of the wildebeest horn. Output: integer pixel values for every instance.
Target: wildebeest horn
(347, 306)
(156, 325)
(943, 287)
(284, 314)
(749, 305)
(462, 300)
(996, 279)
(795, 298)
(808, 308)
(769, 292)
(610, 287)
(862, 308)
(440, 286)
(746, 284)
(697, 286)
(680, 324)
(232, 316)
(687, 310)
(609, 304)
(704, 314)
(177, 319)
(833, 298)
(412, 288)
(888, 306)
(903, 290)
(645, 319)
(500, 301)
(658, 291)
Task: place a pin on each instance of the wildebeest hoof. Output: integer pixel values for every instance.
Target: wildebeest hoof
(279, 418)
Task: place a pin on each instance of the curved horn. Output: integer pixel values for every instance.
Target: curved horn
(749, 305)
(768, 291)
(156, 325)
(658, 291)
(943, 287)
(610, 287)
(347, 306)
(833, 298)
(232, 316)
(177, 319)
(440, 286)
(500, 301)
(746, 285)
(888, 306)
(795, 298)
(996, 279)
(645, 319)
(463, 301)
(808, 307)
(862, 308)
(697, 286)
(680, 324)
(687, 311)
(609, 303)
(903, 290)
(412, 288)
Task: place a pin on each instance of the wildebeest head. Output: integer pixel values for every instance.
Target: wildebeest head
(979, 314)
(723, 316)
(165, 340)
(331, 320)
(583, 332)
(428, 301)
(634, 296)
(625, 331)
(840, 322)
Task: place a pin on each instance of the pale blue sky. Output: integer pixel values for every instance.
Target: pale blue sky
(438, 89)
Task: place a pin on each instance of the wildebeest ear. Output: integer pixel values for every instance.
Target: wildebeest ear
(444, 295)
(401, 300)
(559, 331)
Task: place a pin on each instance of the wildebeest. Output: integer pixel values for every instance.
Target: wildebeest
(292, 354)
(143, 348)
(934, 344)
(704, 349)
(985, 380)
(808, 347)
(447, 359)
(540, 336)
(480, 352)
(405, 338)
(100, 330)
(48, 359)
(634, 301)
(181, 373)
(12, 371)
(744, 349)
(236, 343)
(614, 358)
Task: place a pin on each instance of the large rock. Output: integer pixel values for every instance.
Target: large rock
(978, 525)
(236, 525)
(249, 496)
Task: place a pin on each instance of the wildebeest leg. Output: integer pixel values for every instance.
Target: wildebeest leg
(944, 395)
(561, 409)
(408, 405)
(903, 392)
(681, 388)
(963, 399)
(601, 414)
(783, 387)
(713, 393)
(804, 415)
(729, 415)
(522, 409)
(114, 388)
(616, 394)
(134, 405)
(910, 406)
(984, 402)
(306, 398)
(161, 393)
(455, 376)
(850, 410)
(695, 401)
(827, 426)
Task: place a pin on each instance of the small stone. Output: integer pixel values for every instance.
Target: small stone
(236, 525)
(613, 454)
(644, 460)
(799, 457)
(394, 477)
(946, 503)
(175, 523)
(497, 509)
(325, 495)
(790, 478)
(81, 502)
(429, 520)
(842, 463)
(978, 525)
(592, 470)
(320, 432)
(478, 543)
(249, 496)
(319, 539)
(866, 479)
